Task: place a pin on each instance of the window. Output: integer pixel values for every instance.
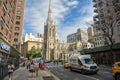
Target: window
(0, 2)
(4, 9)
(8, 17)
(18, 17)
(16, 34)
(18, 12)
(15, 40)
(20, 2)
(2, 22)
(1, 34)
(19, 7)
(6, 1)
(79, 62)
(7, 29)
(17, 22)
(10, 6)
(15, 46)
(17, 28)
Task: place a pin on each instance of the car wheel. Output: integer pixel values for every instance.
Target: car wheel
(82, 71)
(118, 77)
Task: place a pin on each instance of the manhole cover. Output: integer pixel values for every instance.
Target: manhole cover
(48, 78)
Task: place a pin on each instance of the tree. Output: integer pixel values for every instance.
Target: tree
(109, 24)
(33, 53)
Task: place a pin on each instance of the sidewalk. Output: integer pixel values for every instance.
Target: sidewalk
(23, 74)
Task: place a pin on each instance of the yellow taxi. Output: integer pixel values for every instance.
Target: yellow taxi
(66, 65)
(116, 71)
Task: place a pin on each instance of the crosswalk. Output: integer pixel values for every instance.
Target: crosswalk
(52, 65)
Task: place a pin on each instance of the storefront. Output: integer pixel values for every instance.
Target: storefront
(7, 55)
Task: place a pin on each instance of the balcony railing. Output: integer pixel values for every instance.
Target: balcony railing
(95, 10)
(96, 22)
(95, 5)
(94, 0)
(96, 16)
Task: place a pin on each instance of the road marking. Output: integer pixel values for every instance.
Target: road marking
(104, 72)
(90, 77)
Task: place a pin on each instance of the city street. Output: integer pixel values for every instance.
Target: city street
(65, 74)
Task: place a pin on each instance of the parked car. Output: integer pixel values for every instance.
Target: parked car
(116, 70)
(66, 65)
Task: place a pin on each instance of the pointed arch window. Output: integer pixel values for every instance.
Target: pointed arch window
(53, 32)
(50, 33)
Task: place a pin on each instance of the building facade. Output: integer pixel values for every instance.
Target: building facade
(53, 49)
(90, 33)
(28, 45)
(30, 41)
(18, 24)
(31, 37)
(107, 14)
(80, 35)
(11, 20)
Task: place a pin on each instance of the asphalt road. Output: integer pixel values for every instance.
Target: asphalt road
(65, 74)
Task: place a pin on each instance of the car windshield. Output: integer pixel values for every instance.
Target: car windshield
(88, 61)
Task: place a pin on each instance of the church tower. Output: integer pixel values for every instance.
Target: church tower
(49, 36)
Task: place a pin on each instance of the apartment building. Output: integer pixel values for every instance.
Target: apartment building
(18, 24)
(106, 12)
(80, 35)
(11, 21)
(90, 32)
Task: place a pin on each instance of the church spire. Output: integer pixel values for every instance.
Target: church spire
(49, 19)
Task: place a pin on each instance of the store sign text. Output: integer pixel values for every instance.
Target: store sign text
(4, 46)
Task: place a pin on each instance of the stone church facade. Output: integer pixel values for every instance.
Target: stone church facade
(52, 48)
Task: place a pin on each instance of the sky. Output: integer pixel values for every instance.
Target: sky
(68, 15)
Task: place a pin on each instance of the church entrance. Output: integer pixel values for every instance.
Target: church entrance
(52, 54)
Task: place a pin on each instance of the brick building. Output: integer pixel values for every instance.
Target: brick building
(11, 21)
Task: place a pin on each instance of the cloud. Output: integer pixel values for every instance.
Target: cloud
(36, 13)
(72, 3)
(80, 22)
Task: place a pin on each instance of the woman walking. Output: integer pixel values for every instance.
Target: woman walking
(10, 71)
(36, 67)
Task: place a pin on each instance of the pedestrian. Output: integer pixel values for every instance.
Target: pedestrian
(28, 64)
(54, 62)
(10, 70)
(36, 67)
(32, 70)
(42, 64)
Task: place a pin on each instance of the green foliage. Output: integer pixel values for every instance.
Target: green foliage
(33, 53)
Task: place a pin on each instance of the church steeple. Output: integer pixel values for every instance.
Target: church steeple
(49, 19)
